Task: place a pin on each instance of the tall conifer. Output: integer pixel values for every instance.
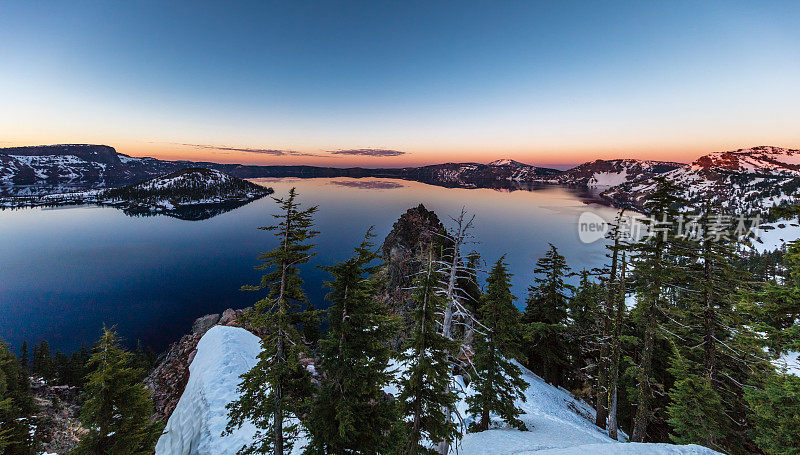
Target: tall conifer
(350, 413)
(426, 396)
(278, 386)
(498, 382)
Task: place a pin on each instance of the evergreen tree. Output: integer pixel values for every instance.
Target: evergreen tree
(715, 354)
(545, 318)
(42, 361)
(23, 359)
(584, 336)
(278, 386)
(776, 414)
(426, 396)
(117, 408)
(16, 406)
(498, 381)
(655, 259)
(605, 361)
(350, 412)
(696, 412)
(616, 350)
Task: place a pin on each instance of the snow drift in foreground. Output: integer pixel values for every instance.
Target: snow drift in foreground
(196, 425)
(558, 422)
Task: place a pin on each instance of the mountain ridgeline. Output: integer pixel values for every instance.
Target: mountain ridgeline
(743, 181)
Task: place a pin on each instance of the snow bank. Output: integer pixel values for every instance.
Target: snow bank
(558, 423)
(197, 423)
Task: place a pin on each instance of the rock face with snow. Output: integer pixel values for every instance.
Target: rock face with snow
(65, 165)
(745, 181)
(169, 377)
(608, 173)
(557, 422)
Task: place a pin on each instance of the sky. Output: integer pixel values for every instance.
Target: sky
(383, 84)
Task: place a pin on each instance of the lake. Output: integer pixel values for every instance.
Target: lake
(64, 272)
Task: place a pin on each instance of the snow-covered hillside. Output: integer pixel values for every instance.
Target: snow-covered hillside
(745, 181)
(558, 423)
(607, 173)
(192, 194)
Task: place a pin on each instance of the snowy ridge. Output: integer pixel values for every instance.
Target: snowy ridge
(608, 173)
(558, 422)
(744, 181)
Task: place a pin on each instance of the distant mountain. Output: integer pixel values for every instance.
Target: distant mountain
(57, 168)
(608, 173)
(745, 181)
(191, 194)
(498, 174)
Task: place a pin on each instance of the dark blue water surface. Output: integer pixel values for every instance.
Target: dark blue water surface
(65, 272)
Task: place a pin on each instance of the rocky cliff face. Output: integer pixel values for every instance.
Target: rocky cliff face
(171, 374)
(417, 233)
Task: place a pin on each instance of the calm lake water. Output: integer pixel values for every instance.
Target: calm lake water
(65, 272)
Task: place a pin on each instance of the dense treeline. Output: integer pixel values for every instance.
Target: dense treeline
(672, 340)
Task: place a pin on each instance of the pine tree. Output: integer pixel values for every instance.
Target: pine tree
(117, 408)
(775, 414)
(278, 386)
(426, 396)
(654, 266)
(545, 317)
(350, 412)
(498, 381)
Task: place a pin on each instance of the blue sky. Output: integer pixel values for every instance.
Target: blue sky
(544, 82)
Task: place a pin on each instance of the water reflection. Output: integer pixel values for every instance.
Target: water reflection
(63, 273)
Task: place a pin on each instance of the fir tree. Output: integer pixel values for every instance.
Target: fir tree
(23, 359)
(584, 336)
(278, 386)
(616, 351)
(426, 396)
(16, 406)
(655, 258)
(715, 354)
(696, 410)
(117, 408)
(498, 382)
(775, 414)
(42, 361)
(545, 317)
(605, 362)
(350, 412)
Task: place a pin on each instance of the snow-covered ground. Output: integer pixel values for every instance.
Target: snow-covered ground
(557, 422)
(773, 236)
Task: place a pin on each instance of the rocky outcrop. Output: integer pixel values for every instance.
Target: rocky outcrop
(415, 234)
(171, 374)
(59, 427)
